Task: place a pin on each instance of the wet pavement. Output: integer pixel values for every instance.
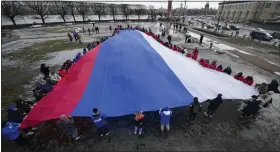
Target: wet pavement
(225, 132)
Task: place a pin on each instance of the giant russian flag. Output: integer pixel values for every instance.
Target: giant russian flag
(129, 72)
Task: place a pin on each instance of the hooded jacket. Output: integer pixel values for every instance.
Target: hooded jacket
(99, 120)
(206, 64)
(201, 61)
(228, 70)
(67, 125)
(55, 77)
(273, 86)
(219, 68)
(14, 114)
(194, 56)
(11, 131)
(62, 72)
(213, 65)
(240, 78)
(266, 99)
(165, 115)
(248, 81)
(215, 103)
(189, 55)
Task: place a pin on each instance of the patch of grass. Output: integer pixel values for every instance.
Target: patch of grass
(246, 42)
(37, 51)
(15, 77)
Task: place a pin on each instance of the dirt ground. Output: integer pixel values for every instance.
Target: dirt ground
(20, 71)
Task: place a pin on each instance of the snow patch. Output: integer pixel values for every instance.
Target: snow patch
(244, 52)
(58, 58)
(277, 73)
(236, 56)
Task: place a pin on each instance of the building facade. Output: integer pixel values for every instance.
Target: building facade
(241, 11)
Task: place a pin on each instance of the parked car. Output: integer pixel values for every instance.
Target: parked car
(234, 27)
(276, 35)
(261, 35)
(218, 25)
(226, 28)
(210, 26)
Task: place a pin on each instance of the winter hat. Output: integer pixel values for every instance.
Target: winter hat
(165, 108)
(12, 107)
(62, 117)
(263, 88)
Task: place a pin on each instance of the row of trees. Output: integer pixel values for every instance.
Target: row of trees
(11, 9)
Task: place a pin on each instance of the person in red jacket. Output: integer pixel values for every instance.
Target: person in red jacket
(189, 54)
(175, 48)
(249, 80)
(161, 41)
(206, 64)
(201, 61)
(213, 65)
(180, 49)
(239, 76)
(194, 56)
(220, 68)
(195, 51)
(63, 70)
(171, 47)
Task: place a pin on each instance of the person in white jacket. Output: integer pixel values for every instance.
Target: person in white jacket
(54, 77)
(265, 99)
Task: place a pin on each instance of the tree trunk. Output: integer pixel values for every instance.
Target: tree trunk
(138, 17)
(43, 20)
(73, 15)
(126, 17)
(114, 17)
(13, 20)
(62, 16)
(83, 18)
(99, 17)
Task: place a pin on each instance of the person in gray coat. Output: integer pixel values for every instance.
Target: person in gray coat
(66, 124)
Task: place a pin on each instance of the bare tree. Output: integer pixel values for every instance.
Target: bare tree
(82, 9)
(60, 8)
(126, 10)
(113, 8)
(139, 10)
(152, 12)
(11, 9)
(99, 9)
(71, 8)
(39, 7)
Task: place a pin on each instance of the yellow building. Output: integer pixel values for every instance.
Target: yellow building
(240, 11)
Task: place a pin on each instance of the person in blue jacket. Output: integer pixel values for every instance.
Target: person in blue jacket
(165, 115)
(11, 131)
(84, 51)
(100, 122)
(76, 59)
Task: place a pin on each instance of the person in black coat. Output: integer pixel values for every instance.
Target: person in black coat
(227, 70)
(44, 69)
(273, 86)
(252, 107)
(169, 37)
(24, 106)
(214, 105)
(195, 108)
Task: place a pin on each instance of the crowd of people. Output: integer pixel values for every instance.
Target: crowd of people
(16, 114)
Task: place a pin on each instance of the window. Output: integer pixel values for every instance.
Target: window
(268, 5)
(277, 6)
